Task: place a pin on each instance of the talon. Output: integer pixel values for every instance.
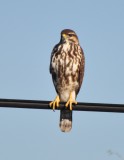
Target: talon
(55, 103)
(70, 102)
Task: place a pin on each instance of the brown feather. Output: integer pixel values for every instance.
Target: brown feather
(81, 71)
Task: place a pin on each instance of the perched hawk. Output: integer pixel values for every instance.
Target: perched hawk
(67, 69)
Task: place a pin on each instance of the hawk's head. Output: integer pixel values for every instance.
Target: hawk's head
(68, 35)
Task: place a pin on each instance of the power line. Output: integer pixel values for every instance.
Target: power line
(36, 104)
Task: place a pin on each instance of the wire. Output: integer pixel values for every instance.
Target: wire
(36, 104)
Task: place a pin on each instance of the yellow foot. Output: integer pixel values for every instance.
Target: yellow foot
(70, 102)
(55, 103)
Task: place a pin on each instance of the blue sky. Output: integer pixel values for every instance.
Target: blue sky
(28, 32)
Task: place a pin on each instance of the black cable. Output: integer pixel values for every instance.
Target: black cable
(36, 104)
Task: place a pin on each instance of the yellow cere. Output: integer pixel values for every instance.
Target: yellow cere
(64, 35)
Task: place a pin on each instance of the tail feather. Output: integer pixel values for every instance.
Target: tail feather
(65, 120)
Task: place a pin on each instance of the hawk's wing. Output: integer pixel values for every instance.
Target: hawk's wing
(55, 49)
(81, 71)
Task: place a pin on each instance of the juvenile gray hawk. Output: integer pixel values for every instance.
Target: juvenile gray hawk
(67, 69)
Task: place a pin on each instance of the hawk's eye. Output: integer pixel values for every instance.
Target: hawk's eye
(70, 35)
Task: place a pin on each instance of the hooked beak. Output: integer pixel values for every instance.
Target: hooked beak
(63, 38)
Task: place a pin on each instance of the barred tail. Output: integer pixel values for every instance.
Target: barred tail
(65, 120)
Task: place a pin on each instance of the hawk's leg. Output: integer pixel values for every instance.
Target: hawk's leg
(70, 101)
(55, 103)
